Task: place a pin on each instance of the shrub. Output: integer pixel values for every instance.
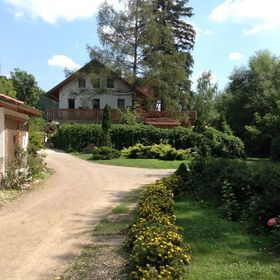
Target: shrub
(105, 139)
(105, 152)
(249, 192)
(275, 148)
(208, 142)
(35, 135)
(35, 165)
(158, 151)
(129, 117)
(156, 243)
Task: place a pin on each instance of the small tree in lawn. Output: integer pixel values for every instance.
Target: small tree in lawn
(106, 125)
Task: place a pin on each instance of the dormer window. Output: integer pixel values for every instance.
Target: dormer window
(110, 83)
(82, 82)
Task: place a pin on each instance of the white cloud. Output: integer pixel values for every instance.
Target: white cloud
(53, 10)
(62, 61)
(259, 15)
(235, 56)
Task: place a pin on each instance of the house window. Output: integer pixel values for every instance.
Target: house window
(71, 103)
(95, 82)
(82, 82)
(110, 83)
(121, 104)
(96, 103)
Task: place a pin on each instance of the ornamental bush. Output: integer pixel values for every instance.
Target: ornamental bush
(155, 242)
(158, 151)
(105, 152)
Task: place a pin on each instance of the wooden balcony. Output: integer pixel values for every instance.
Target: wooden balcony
(157, 118)
(80, 115)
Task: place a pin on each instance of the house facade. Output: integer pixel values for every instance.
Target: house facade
(83, 95)
(14, 115)
(92, 87)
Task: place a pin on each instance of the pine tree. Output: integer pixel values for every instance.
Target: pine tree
(149, 42)
(171, 40)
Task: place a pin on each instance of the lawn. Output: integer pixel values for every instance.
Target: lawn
(143, 163)
(222, 250)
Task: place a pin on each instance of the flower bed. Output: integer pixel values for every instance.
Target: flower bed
(156, 243)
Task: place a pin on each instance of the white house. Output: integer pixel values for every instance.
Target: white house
(92, 87)
(83, 95)
(14, 115)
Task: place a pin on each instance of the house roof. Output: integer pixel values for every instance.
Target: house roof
(18, 106)
(54, 92)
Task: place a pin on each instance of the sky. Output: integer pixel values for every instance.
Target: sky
(45, 36)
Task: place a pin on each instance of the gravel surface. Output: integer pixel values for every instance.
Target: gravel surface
(43, 231)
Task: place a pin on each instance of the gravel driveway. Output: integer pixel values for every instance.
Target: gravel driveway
(43, 231)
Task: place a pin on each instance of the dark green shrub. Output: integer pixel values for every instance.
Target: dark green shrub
(275, 148)
(249, 192)
(105, 152)
(105, 139)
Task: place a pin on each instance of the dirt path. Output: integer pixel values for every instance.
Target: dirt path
(41, 232)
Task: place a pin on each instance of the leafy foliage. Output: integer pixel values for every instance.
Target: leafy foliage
(250, 102)
(159, 151)
(26, 86)
(75, 137)
(248, 192)
(105, 152)
(6, 87)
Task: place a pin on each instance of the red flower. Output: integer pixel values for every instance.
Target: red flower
(271, 222)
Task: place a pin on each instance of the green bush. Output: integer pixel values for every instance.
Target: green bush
(36, 165)
(249, 192)
(35, 135)
(275, 148)
(158, 151)
(105, 152)
(75, 137)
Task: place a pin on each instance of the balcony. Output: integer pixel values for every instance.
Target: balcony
(156, 118)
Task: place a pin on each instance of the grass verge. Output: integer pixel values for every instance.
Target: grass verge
(221, 249)
(142, 163)
(105, 257)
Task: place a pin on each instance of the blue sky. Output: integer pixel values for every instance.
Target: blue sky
(44, 36)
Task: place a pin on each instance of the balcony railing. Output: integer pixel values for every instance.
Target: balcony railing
(95, 115)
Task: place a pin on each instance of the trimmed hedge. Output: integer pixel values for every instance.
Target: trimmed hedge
(75, 137)
(155, 242)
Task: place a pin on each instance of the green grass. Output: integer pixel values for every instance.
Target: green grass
(142, 163)
(222, 250)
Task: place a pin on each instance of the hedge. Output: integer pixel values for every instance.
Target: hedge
(155, 242)
(75, 137)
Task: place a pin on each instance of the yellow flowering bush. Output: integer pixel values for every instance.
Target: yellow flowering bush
(156, 243)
